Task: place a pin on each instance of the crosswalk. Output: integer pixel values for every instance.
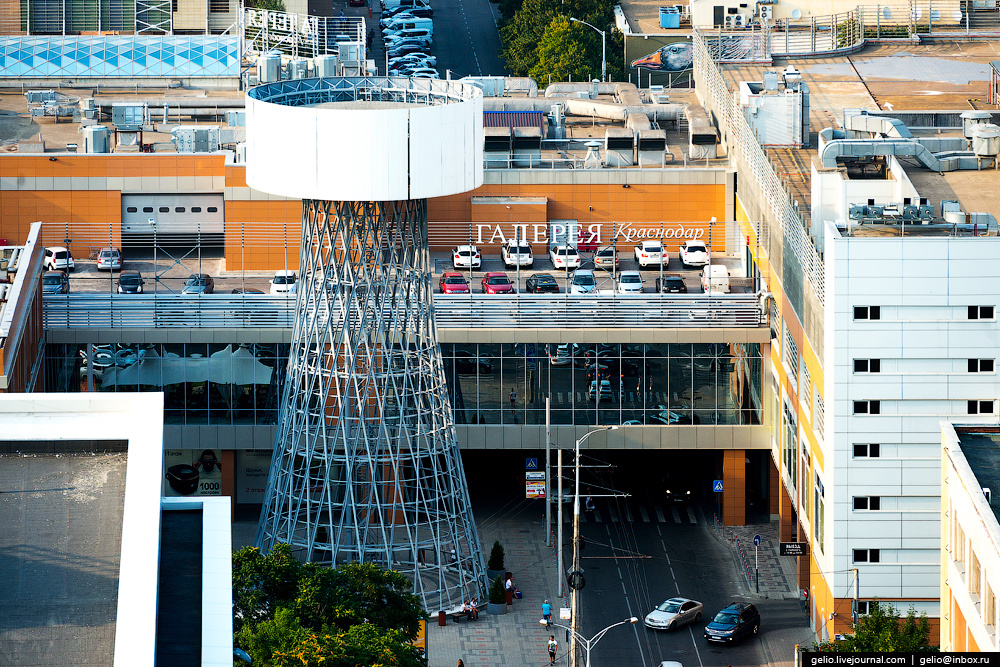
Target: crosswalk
(681, 514)
(577, 397)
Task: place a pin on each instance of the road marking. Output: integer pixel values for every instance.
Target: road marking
(659, 515)
(676, 514)
(691, 518)
(597, 517)
(613, 513)
(644, 514)
(695, 644)
(628, 514)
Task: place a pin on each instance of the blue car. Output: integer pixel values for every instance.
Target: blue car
(733, 623)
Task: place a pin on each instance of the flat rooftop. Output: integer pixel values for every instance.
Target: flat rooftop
(60, 540)
(981, 447)
(934, 76)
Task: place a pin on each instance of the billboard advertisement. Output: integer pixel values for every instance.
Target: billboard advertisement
(192, 472)
(664, 60)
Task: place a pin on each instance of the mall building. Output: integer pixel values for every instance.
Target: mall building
(861, 253)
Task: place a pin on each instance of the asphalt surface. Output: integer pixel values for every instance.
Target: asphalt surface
(466, 40)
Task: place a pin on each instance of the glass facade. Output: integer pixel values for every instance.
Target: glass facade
(202, 383)
(664, 385)
(668, 384)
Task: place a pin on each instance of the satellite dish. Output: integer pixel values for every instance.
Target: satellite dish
(796, 14)
(935, 15)
(916, 13)
(886, 13)
(956, 16)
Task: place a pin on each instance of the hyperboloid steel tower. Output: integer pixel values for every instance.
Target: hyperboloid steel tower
(366, 465)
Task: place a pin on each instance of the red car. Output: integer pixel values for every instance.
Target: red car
(497, 283)
(454, 283)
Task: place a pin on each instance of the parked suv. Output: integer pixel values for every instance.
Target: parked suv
(283, 282)
(199, 283)
(55, 282)
(516, 253)
(58, 258)
(130, 282)
(733, 623)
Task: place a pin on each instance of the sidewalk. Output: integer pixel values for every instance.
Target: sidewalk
(778, 577)
(514, 638)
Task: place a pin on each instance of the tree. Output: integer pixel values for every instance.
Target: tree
(566, 53)
(286, 612)
(881, 631)
(272, 5)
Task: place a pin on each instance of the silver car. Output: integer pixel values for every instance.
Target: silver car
(674, 613)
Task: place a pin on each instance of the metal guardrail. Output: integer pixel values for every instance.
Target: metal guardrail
(474, 311)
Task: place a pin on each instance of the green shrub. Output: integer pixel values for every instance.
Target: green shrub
(497, 593)
(496, 557)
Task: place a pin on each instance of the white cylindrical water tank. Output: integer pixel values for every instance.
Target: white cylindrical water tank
(269, 68)
(986, 140)
(972, 119)
(96, 139)
(326, 65)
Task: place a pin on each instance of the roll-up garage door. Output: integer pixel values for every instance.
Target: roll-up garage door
(179, 214)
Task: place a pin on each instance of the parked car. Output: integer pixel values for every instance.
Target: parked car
(420, 34)
(58, 258)
(415, 59)
(55, 282)
(468, 363)
(583, 282)
(130, 282)
(606, 392)
(109, 259)
(423, 73)
(466, 257)
(564, 257)
(629, 282)
(733, 623)
(407, 46)
(671, 285)
(560, 355)
(454, 283)
(199, 283)
(497, 283)
(406, 10)
(516, 253)
(694, 253)
(283, 282)
(650, 252)
(674, 613)
(542, 283)
(606, 258)
(356, 3)
(715, 279)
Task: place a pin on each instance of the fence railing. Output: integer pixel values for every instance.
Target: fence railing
(452, 311)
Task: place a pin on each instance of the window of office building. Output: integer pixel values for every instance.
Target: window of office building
(819, 532)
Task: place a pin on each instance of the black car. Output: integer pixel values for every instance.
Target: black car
(130, 282)
(55, 282)
(467, 363)
(199, 283)
(733, 623)
(542, 283)
(671, 285)
(246, 290)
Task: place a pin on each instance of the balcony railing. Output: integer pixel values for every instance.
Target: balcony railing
(476, 311)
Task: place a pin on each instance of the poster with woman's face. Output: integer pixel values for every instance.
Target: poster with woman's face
(192, 472)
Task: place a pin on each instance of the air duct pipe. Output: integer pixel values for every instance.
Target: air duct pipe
(578, 107)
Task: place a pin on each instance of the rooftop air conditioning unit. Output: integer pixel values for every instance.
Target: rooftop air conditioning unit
(764, 12)
(730, 20)
(856, 212)
(739, 20)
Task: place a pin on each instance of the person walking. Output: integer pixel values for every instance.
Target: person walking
(460, 663)
(547, 611)
(513, 398)
(553, 645)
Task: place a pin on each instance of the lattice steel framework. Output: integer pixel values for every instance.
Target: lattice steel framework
(366, 464)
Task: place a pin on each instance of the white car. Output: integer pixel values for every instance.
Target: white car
(415, 59)
(694, 253)
(583, 282)
(650, 252)
(674, 613)
(516, 253)
(423, 73)
(466, 257)
(283, 282)
(564, 257)
(109, 259)
(58, 258)
(629, 282)
(606, 393)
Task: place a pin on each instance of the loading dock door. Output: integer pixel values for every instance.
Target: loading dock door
(186, 214)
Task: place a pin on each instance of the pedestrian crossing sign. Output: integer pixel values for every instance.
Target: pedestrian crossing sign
(531, 464)
(717, 486)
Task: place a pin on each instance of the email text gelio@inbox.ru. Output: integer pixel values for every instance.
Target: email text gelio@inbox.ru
(913, 659)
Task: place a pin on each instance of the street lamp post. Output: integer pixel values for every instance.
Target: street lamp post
(589, 644)
(575, 602)
(604, 45)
